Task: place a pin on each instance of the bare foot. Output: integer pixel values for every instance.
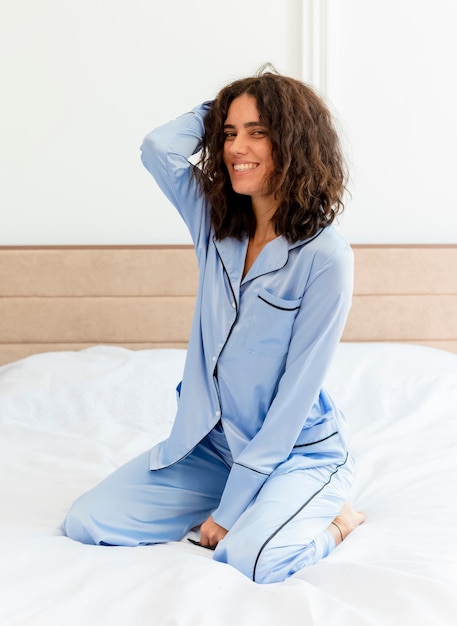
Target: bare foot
(345, 522)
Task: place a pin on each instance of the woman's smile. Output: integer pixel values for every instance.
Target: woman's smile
(244, 167)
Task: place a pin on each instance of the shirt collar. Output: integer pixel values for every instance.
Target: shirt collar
(273, 256)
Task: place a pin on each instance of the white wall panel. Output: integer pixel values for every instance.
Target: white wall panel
(82, 82)
(390, 75)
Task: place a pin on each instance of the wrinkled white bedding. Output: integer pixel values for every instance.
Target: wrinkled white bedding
(68, 419)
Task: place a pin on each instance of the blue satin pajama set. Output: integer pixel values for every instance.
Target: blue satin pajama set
(257, 441)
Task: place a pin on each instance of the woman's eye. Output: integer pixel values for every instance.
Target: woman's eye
(229, 136)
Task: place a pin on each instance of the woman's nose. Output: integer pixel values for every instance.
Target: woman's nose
(238, 145)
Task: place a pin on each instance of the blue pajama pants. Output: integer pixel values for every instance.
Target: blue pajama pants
(282, 531)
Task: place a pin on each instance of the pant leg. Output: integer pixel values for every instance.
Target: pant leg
(137, 506)
(284, 529)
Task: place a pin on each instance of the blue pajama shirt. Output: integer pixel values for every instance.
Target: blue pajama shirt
(257, 441)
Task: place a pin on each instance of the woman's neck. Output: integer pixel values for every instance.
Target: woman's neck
(264, 233)
(264, 209)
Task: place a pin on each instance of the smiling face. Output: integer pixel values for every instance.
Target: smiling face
(247, 149)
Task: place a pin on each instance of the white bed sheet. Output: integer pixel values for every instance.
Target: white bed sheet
(68, 419)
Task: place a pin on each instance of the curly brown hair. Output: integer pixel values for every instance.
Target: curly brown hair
(309, 174)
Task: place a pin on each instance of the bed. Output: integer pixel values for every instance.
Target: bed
(89, 359)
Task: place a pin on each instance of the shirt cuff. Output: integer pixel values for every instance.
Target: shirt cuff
(243, 484)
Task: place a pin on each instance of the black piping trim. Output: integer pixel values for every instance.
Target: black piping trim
(250, 468)
(275, 306)
(216, 380)
(267, 541)
(303, 445)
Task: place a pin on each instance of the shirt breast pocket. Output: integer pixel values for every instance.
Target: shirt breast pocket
(270, 324)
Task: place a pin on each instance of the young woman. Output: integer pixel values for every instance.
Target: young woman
(257, 457)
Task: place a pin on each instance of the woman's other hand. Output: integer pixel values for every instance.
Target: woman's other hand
(211, 533)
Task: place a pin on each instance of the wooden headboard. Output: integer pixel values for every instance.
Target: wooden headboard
(68, 298)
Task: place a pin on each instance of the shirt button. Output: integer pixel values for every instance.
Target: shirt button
(217, 414)
(233, 305)
(214, 359)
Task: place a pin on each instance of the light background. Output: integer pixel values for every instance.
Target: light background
(82, 83)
